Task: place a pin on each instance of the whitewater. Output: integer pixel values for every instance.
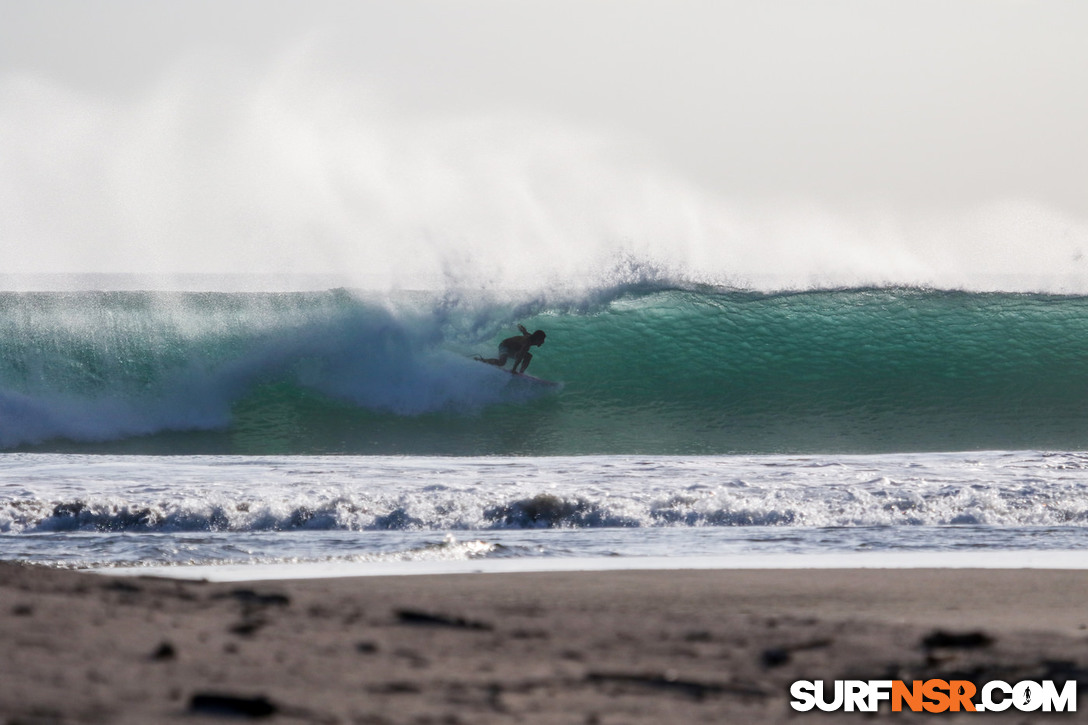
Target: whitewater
(151, 429)
(180, 513)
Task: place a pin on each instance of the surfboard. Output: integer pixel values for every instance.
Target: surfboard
(531, 378)
(525, 376)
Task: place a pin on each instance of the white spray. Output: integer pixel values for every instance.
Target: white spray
(298, 170)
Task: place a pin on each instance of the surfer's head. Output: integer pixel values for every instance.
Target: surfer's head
(537, 338)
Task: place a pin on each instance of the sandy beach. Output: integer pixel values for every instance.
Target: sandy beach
(600, 647)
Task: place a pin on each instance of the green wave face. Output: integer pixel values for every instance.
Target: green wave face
(857, 370)
(643, 371)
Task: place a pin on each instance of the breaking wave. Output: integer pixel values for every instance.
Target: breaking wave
(645, 369)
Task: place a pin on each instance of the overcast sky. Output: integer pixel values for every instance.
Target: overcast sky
(926, 100)
(909, 105)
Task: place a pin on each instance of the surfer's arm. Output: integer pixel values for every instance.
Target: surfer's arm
(522, 329)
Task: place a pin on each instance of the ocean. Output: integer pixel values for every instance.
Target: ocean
(153, 431)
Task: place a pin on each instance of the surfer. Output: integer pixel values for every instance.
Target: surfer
(516, 347)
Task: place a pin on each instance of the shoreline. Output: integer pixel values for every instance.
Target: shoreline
(1065, 560)
(540, 647)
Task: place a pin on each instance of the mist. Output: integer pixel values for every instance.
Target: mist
(525, 145)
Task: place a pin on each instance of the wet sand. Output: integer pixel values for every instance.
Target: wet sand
(571, 647)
